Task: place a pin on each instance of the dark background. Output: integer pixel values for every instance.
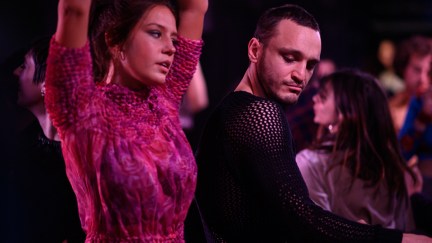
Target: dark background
(350, 29)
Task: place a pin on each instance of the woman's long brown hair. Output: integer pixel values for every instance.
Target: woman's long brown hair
(366, 142)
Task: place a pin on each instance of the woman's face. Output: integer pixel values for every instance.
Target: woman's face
(149, 52)
(29, 92)
(325, 107)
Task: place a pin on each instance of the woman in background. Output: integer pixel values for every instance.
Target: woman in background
(355, 169)
(43, 207)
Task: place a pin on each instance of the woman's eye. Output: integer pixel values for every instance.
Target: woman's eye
(322, 96)
(155, 34)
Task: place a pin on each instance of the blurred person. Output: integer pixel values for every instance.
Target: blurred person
(42, 205)
(412, 63)
(194, 101)
(355, 168)
(416, 136)
(390, 81)
(413, 107)
(300, 115)
(249, 186)
(324, 68)
(127, 158)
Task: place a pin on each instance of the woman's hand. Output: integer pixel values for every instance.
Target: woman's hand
(413, 187)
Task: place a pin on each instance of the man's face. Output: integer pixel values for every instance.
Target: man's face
(288, 60)
(417, 74)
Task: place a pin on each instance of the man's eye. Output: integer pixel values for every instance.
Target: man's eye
(289, 59)
(311, 66)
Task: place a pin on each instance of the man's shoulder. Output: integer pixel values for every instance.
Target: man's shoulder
(248, 112)
(242, 99)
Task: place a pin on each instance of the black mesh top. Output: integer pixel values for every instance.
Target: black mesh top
(250, 188)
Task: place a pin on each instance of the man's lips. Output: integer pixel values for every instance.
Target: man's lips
(295, 88)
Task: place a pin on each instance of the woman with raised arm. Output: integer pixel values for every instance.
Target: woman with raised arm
(127, 159)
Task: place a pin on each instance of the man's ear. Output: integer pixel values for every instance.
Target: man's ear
(254, 50)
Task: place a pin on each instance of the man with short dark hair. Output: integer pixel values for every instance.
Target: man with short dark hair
(249, 186)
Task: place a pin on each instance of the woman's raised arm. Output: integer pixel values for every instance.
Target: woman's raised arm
(72, 25)
(191, 18)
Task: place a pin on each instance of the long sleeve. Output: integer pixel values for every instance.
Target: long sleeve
(69, 83)
(183, 68)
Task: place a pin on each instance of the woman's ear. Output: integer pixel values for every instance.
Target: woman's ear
(114, 50)
(107, 39)
(254, 50)
(116, 53)
(42, 88)
(340, 117)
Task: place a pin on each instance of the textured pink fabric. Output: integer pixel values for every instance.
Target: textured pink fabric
(127, 158)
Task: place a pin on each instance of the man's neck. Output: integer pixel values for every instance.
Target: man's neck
(250, 83)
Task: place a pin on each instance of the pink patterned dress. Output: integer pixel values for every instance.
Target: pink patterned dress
(127, 158)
